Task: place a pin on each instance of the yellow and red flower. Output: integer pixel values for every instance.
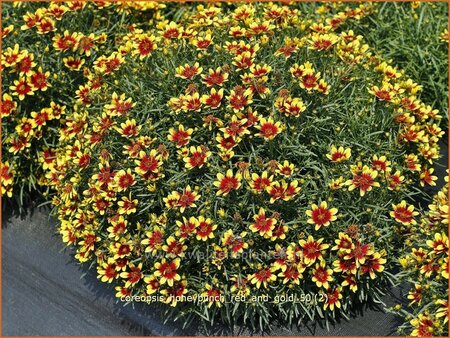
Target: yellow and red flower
(152, 284)
(39, 79)
(312, 249)
(359, 253)
(188, 72)
(192, 102)
(86, 43)
(11, 56)
(154, 241)
(374, 263)
(309, 81)
(148, 164)
(395, 180)
(236, 127)
(183, 200)
(291, 274)
(215, 77)
(187, 227)
(364, 180)
(202, 43)
(320, 215)
(73, 63)
(416, 295)
(350, 281)
(235, 243)
(118, 227)
(263, 276)
(107, 271)
(205, 228)
(285, 169)
(427, 177)
(213, 295)
(22, 87)
(339, 154)
(268, 128)
(347, 266)
(321, 42)
(321, 275)
(171, 30)
(26, 127)
(166, 271)
(380, 163)
(127, 205)
(412, 162)
(344, 243)
(337, 183)
(144, 45)
(228, 182)
(384, 93)
(7, 106)
(67, 41)
(6, 177)
(124, 179)
(439, 243)
(332, 299)
(283, 190)
(198, 157)
(181, 136)
(259, 184)
(133, 276)
(424, 325)
(214, 99)
(239, 98)
(262, 224)
(174, 293)
(404, 213)
(129, 129)
(174, 247)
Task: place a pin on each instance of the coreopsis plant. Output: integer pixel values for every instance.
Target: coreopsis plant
(243, 151)
(241, 155)
(48, 50)
(426, 268)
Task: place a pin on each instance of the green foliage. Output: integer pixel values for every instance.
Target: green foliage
(414, 36)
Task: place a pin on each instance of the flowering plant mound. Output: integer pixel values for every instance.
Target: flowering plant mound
(237, 154)
(426, 268)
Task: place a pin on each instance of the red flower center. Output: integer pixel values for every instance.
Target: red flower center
(321, 216)
(363, 181)
(228, 183)
(269, 130)
(403, 214)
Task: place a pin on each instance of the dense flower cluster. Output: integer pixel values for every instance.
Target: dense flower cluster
(246, 150)
(426, 268)
(43, 59)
